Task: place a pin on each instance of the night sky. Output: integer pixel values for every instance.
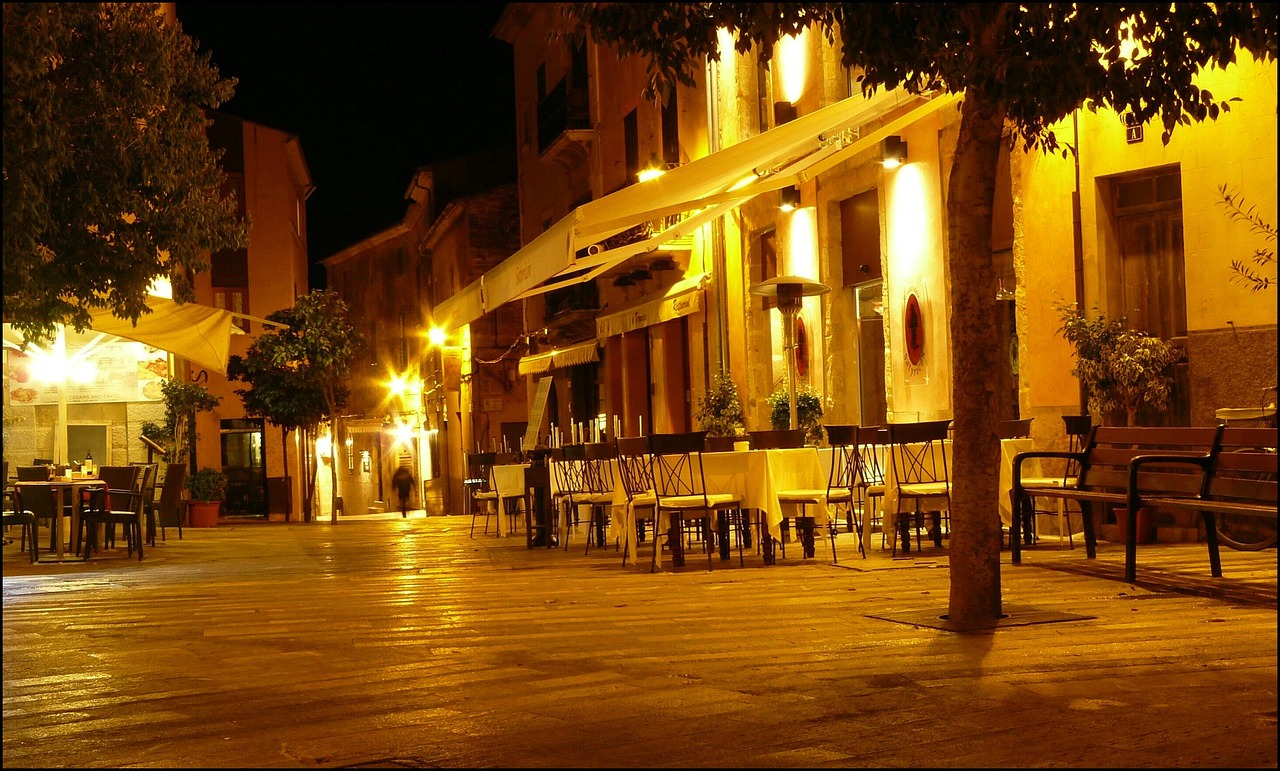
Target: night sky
(372, 90)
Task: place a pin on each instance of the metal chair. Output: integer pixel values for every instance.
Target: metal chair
(514, 506)
(843, 479)
(680, 491)
(636, 477)
(919, 457)
(483, 496)
(597, 488)
(873, 445)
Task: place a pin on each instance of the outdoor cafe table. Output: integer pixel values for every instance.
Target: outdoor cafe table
(509, 483)
(1009, 448)
(754, 477)
(62, 486)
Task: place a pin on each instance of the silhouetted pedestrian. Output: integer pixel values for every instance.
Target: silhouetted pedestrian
(402, 481)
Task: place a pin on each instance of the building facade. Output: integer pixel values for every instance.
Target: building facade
(636, 292)
(409, 394)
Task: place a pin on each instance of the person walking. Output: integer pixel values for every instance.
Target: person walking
(402, 481)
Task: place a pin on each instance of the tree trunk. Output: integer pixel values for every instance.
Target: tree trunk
(977, 350)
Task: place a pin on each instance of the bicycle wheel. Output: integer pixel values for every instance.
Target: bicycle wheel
(1245, 533)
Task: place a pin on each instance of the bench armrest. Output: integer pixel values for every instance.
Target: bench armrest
(1202, 462)
(1020, 457)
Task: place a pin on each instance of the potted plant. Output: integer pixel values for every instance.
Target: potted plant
(808, 411)
(208, 487)
(720, 410)
(1122, 370)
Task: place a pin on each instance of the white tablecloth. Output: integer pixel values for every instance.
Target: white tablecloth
(754, 477)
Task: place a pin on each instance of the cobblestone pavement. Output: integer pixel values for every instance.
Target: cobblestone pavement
(387, 642)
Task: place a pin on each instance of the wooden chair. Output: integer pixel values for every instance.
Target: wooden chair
(636, 478)
(168, 509)
(920, 476)
(147, 488)
(15, 513)
(680, 490)
(109, 507)
(723, 443)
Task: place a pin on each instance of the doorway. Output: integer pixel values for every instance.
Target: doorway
(244, 461)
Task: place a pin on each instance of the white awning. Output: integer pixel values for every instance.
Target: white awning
(579, 353)
(697, 191)
(197, 333)
(680, 299)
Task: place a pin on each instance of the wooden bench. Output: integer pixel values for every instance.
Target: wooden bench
(1104, 477)
(1239, 480)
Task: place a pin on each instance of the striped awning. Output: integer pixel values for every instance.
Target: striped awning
(580, 353)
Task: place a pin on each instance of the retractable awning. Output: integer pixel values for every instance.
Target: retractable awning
(680, 299)
(579, 353)
(695, 192)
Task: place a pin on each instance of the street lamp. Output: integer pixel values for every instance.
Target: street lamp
(790, 292)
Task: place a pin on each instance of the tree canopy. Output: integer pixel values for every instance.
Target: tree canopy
(109, 181)
(1021, 68)
(298, 375)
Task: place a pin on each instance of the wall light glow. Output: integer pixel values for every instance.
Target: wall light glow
(911, 236)
(792, 56)
(802, 243)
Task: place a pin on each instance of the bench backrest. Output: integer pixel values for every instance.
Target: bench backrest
(1110, 448)
(1245, 468)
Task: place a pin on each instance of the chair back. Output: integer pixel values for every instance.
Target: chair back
(1078, 428)
(1014, 429)
(872, 444)
(777, 440)
(597, 469)
(42, 462)
(167, 508)
(919, 451)
(846, 461)
(633, 466)
(675, 461)
(120, 477)
(35, 473)
(41, 501)
(480, 471)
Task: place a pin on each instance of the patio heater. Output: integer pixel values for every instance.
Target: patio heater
(790, 292)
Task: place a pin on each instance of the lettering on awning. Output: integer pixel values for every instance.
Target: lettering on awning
(648, 313)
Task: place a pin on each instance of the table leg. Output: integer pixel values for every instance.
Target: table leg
(722, 533)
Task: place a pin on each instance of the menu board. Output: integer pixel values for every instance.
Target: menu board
(111, 372)
(538, 413)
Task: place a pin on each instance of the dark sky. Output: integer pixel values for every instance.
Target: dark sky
(372, 90)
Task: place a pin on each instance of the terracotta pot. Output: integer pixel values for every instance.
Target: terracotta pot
(203, 513)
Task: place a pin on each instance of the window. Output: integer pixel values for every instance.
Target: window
(860, 238)
(767, 248)
(671, 131)
(631, 140)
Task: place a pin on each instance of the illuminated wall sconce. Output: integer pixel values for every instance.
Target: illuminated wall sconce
(784, 112)
(790, 198)
(893, 153)
(366, 463)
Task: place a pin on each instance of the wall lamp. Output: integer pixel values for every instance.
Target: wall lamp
(790, 198)
(893, 153)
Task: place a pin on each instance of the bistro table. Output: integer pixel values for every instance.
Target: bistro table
(62, 486)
